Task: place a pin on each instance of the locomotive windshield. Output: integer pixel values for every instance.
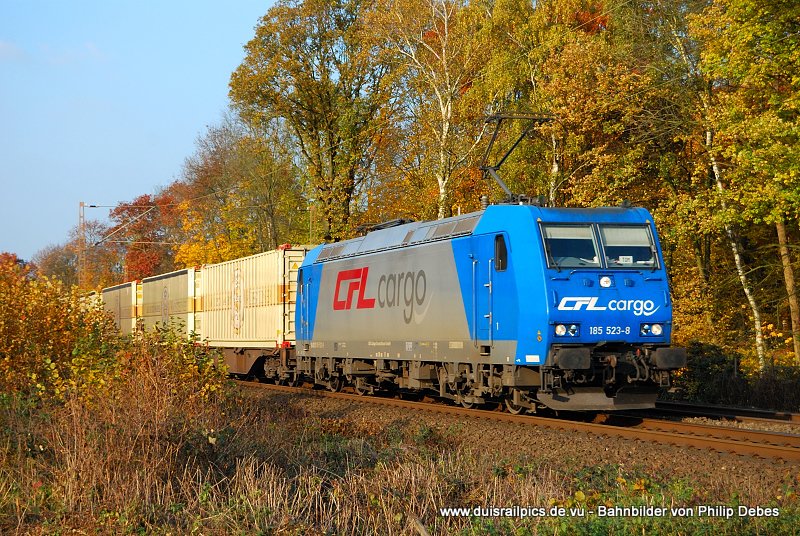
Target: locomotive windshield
(575, 246)
(629, 246)
(570, 246)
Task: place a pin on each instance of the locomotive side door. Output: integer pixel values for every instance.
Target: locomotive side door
(489, 263)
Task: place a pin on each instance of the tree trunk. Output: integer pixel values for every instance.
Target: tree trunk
(702, 256)
(737, 256)
(555, 171)
(705, 97)
(788, 276)
(441, 201)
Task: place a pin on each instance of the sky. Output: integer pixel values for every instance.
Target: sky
(102, 101)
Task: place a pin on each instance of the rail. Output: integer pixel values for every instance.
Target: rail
(721, 439)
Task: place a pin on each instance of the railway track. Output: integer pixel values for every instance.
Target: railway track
(721, 439)
(729, 413)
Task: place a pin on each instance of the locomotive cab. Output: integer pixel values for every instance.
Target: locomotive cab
(609, 310)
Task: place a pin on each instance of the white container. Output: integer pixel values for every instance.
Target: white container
(250, 302)
(170, 300)
(123, 301)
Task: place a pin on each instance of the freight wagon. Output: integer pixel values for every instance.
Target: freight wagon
(123, 303)
(246, 307)
(170, 300)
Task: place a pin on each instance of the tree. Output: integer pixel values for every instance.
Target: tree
(312, 64)
(59, 262)
(103, 262)
(436, 47)
(142, 229)
(241, 194)
(576, 63)
(20, 266)
(751, 50)
(272, 186)
(209, 182)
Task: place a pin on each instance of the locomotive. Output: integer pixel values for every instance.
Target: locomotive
(566, 308)
(517, 304)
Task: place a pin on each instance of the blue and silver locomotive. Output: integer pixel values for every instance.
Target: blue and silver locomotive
(532, 306)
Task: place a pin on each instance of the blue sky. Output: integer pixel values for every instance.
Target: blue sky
(102, 101)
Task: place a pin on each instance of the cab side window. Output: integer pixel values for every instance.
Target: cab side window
(500, 253)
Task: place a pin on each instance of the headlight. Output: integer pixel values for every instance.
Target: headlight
(573, 330)
(605, 281)
(657, 329)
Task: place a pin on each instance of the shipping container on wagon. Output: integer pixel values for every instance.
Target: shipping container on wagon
(250, 302)
(123, 302)
(169, 300)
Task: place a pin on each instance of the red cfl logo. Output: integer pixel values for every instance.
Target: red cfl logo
(357, 282)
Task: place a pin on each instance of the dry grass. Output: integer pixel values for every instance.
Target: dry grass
(170, 449)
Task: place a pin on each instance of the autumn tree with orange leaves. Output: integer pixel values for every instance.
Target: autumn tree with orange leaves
(142, 228)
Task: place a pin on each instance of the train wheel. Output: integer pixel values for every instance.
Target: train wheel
(334, 384)
(360, 387)
(465, 391)
(513, 408)
(293, 380)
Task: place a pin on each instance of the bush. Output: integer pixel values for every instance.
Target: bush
(715, 376)
(54, 342)
(158, 429)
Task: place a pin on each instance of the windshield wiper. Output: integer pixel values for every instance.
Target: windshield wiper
(550, 255)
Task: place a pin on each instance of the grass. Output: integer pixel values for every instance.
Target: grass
(149, 458)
